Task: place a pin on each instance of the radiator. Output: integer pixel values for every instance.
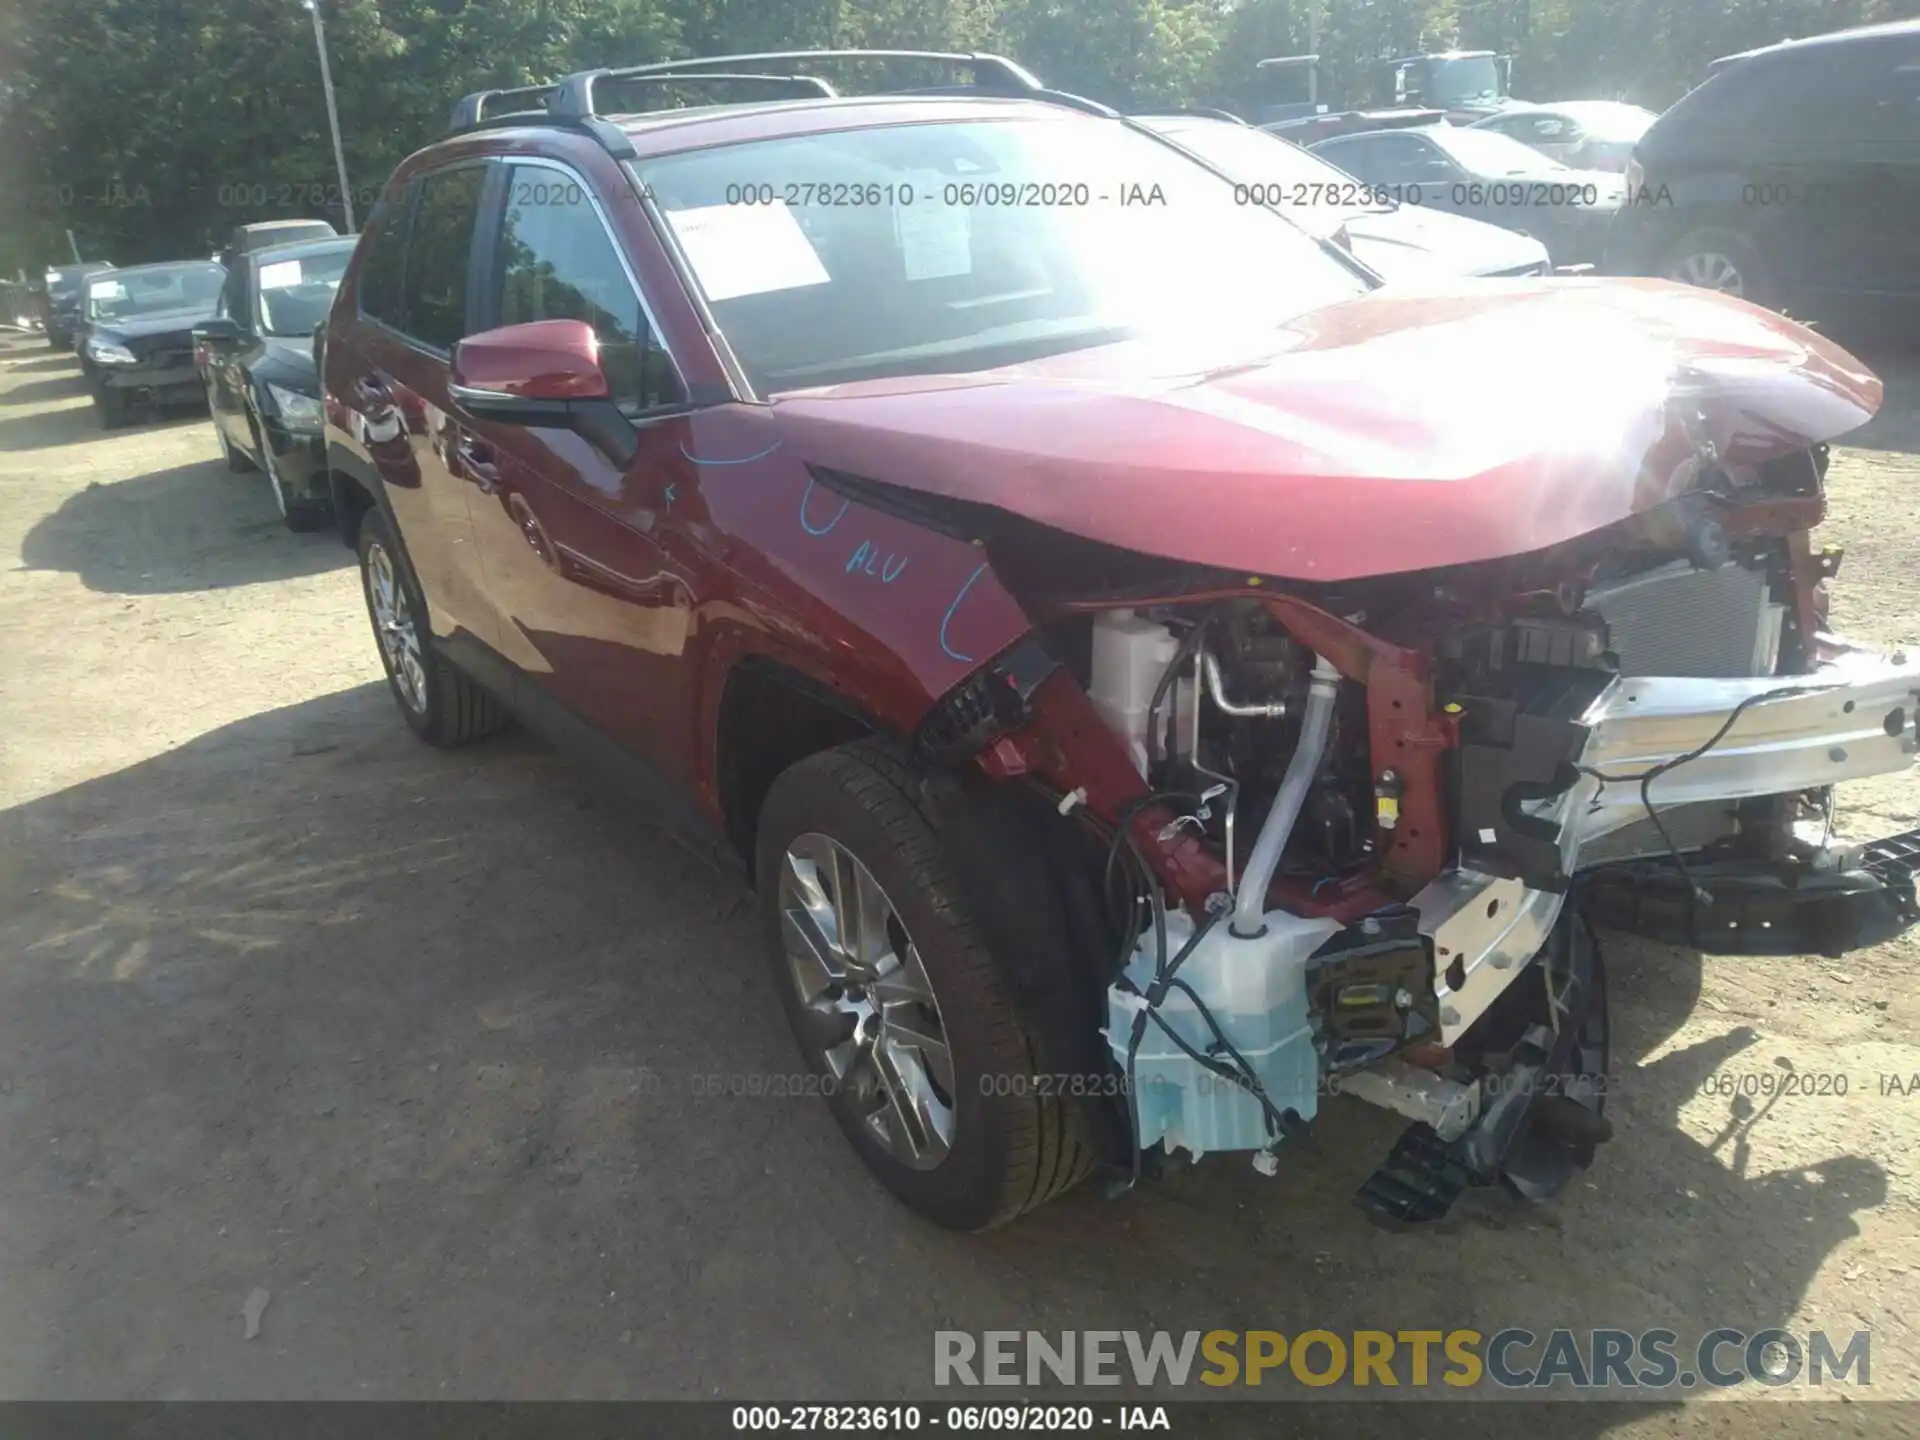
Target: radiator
(1676, 620)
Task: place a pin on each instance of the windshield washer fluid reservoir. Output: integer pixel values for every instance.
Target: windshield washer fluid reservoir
(1257, 990)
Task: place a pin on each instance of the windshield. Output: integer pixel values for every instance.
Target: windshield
(1461, 80)
(928, 248)
(1314, 193)
(296, 294)
(130, 294)
(1486, 152)
(64, 283)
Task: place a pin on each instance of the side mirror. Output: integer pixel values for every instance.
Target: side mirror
(542, 373)
(216, 331)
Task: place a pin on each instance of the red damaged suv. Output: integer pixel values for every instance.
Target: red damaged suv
(1154, 675)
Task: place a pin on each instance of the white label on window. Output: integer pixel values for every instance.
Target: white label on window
(935, 239)
(1487, 837)
(747, 250)
(107, 290)
(279, 274)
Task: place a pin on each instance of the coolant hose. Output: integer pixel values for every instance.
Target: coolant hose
(1250, 905)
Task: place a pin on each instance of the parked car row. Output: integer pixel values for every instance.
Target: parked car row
(236, 333)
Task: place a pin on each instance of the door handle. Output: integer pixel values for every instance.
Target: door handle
(477, 462)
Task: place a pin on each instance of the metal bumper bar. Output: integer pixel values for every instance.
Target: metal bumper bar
(1772, 735)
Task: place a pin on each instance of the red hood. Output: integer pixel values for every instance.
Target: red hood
(1407, 429)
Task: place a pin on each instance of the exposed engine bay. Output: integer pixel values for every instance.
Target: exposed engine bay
(1358, 832)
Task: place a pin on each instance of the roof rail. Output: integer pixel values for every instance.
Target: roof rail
(574, 94)
(573, 99)
(995, 70)
(1202, 112)
(484, 104)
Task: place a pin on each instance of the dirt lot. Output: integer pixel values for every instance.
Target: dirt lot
(290, 1002)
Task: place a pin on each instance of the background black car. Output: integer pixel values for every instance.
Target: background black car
(139, 334)
(62, 298)
(1791, 177)
(256, 357)
(1487, 177)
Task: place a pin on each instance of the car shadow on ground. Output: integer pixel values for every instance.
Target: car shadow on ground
(63, 360)
(54, 387)
(76, 424)
(176, 530)
(484, 1081)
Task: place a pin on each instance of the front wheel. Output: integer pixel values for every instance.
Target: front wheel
(299, 516)
(443, 705)
(111, 407)
(899, 1010)
(237, 460)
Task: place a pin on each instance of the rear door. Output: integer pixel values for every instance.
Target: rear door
(415, 298)
(587, 602)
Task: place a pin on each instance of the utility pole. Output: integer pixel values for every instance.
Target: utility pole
(1313, 48)
(333, 111)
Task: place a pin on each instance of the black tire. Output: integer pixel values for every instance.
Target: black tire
(111, 407)
(1010, 1152)
(456, 709)
(1697, 248)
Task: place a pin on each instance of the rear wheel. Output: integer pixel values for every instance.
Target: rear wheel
(898, 1007)
(444, 705)
(1720, 260)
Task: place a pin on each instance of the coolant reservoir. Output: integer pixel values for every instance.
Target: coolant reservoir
(1130, 654)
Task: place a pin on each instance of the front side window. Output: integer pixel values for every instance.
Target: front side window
(557, 262)
(161, 290)
(439, 248)
(940, 247)
(297, 292)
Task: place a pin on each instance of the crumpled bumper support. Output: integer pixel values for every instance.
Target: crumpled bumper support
(1549, 768)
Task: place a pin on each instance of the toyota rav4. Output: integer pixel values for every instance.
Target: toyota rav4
(1153, 675)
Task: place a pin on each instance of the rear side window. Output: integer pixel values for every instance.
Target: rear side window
(439, 246)
(1751, 100)
(1874, 98)
(381, 275)
(557, 262)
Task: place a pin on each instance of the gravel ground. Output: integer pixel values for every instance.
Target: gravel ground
(408, 1041)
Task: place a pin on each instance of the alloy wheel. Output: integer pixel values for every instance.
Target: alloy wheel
(1709, 270)
(393, 623)
(868, 1007)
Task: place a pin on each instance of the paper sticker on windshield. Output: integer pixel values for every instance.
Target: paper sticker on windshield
(107, 290)
(280, 274)
(747, 250)
(935, 240)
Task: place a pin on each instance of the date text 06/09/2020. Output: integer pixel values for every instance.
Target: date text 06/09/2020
(963, 1419)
